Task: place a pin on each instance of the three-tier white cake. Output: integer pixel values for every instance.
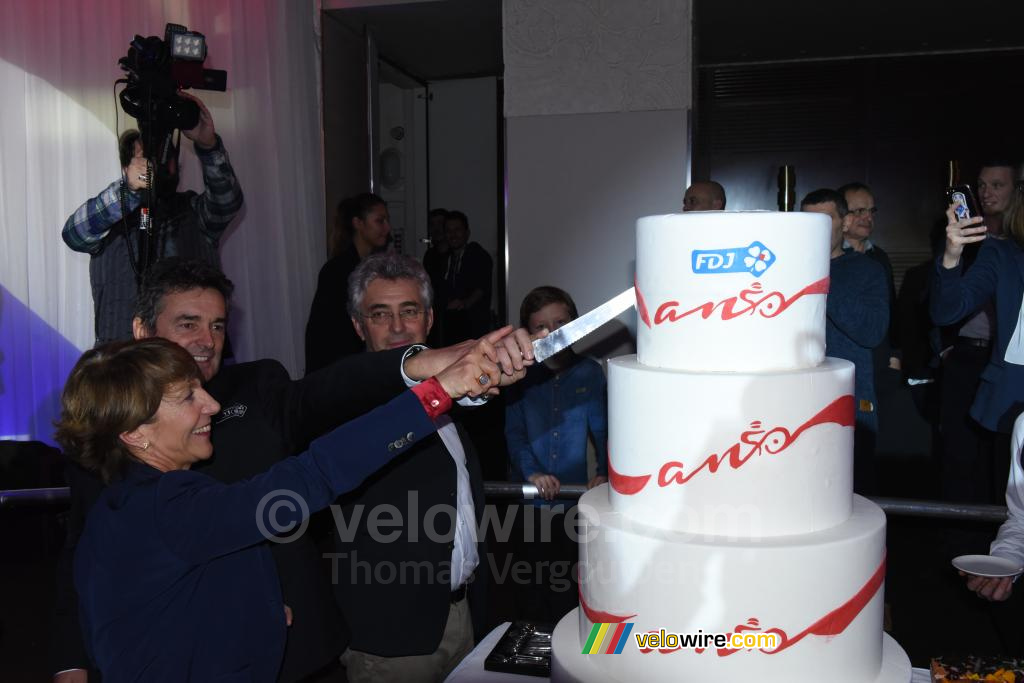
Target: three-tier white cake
(730, 505)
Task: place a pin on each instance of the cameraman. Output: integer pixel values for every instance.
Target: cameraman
(185, 224)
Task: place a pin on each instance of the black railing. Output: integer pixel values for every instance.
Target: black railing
(16, 498)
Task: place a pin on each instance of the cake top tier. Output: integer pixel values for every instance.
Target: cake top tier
(722, 291)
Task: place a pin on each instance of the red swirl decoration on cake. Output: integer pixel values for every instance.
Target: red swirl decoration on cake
(623, 483)
(830, 625)
(597, 616)
(641, 305)
(836, 621)
(757, 439)
(747, 302)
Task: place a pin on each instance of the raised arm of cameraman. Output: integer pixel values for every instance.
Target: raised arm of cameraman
(222, 197)
(85, 229)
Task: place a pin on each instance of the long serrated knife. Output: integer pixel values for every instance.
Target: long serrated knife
(582, 326)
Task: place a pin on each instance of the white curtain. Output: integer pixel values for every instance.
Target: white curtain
(58, 128)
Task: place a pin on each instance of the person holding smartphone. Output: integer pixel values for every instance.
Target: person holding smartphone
(973, 468)
(996, 277)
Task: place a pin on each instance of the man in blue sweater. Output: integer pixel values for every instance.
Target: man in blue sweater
(857, 318)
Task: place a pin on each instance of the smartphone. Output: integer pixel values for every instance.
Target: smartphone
(962, 199)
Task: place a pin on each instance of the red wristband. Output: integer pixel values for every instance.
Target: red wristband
(433, 397)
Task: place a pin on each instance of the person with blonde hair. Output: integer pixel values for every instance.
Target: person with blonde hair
(995, 276)
(994, 281)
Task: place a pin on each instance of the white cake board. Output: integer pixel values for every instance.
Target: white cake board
(568, 665)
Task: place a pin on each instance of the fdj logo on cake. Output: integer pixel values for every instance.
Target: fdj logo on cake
(754, 259)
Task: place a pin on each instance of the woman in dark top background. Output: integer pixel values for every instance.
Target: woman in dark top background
(362, 227)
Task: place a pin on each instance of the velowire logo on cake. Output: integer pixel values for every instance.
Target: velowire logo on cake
(609, 639)
(754, 259)
(700, 641)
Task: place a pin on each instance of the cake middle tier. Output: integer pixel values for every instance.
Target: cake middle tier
(731, 454)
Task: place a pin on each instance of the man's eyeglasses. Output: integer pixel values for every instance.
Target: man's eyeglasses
(385, 317)
(864, 211)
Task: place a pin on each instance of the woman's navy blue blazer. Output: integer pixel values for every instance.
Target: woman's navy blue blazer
(997, 275)
(174, 579)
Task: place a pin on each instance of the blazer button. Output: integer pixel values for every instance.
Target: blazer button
(409, 437)
(391, 446)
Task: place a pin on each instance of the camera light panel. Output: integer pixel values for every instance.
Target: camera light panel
(190, 46)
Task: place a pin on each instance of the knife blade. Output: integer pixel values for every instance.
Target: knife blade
(582, 326)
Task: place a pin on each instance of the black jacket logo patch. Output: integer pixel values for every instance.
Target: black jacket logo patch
(237, 410)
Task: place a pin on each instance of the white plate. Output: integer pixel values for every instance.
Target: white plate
(987, 565)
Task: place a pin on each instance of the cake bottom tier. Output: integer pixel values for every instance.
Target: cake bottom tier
(568, 665)
(819, 596)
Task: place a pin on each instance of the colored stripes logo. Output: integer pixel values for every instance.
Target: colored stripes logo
(607, 639)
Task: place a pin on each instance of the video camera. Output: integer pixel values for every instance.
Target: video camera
(156, 70)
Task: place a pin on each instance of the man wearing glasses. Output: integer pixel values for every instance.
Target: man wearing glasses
(856, 316)
(401, 577)
(857, 235)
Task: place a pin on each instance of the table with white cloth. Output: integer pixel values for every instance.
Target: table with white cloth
(471, 669)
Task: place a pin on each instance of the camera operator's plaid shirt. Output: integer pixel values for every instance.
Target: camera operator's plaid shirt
(90, 223)
(198, 234)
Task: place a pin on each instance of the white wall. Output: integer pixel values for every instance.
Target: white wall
(596, 95)
(464, 154)
(576, 186)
